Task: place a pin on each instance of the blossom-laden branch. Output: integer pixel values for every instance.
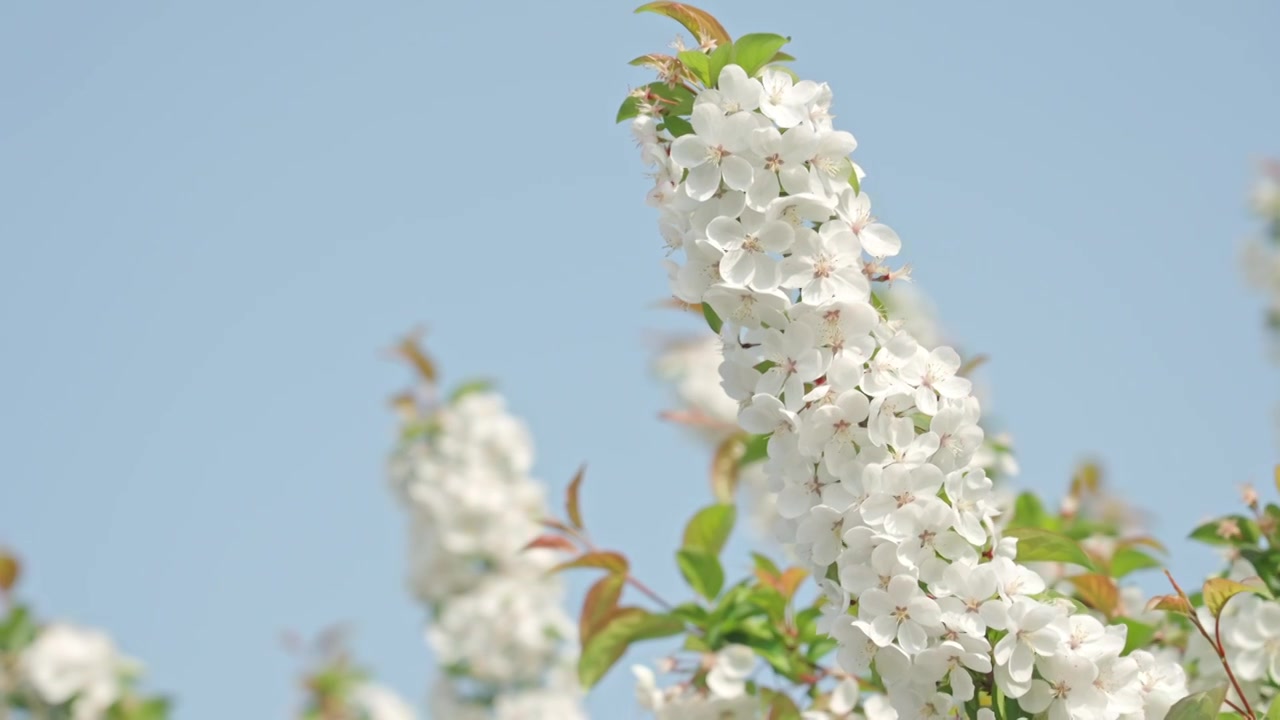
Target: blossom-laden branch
(871, 435)
(462, 473)
(728, 628)
(62, 670)
(335, 688)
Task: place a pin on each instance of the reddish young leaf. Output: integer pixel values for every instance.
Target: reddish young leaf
(1171, 603)
(410, 350)
(790, 581)
(1098, 592)
(551, 542)
(605, 560)
(617, 632)
(557, 525)
(601, 601)
(1217, 591)
(655, 61)
(1146, 540)
(705, 28)
(10, 570)
(726, 467)
(574, 507)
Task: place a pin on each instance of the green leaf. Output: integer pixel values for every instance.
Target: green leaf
(673, 102)
(1273, 713)
(757, 450)
(1037, 545)
(705, 28)
(713, 320)
(771, 602)
(625, 626)
(1217, 591)
(702, 571)
(717, 61)
(1137, 635)
(1199, 706)
(677, 126)
(692, 613)
(18, 629)
(1028, 511)
(470, 388)
(699, 64)
(754, 51)
(780, 706)
(132, 709)
(764, 563)
(1128, 560)
(1266, 564)
(1272, 512)
(677, 99)
(630, 108)
(709, 528)
(1235, 530)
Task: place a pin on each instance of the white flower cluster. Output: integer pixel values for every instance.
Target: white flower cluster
(872, 435)
(1260, 258)
(725, 696)
(1250, 638)
(71, 663)
(498, 627)
(376, 702)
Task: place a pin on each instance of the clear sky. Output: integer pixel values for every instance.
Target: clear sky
(215, 215)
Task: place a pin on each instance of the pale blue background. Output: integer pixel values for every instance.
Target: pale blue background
(214, 216)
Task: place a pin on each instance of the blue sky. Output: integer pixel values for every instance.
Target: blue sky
(217, 215)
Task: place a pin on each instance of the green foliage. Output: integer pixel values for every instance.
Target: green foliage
(713, 320)
(702, 571)
(716, 62)
(698, 65)
(1233, 530)
(677, 126)
(1273, 713)
(1037, 545)
(18, 629)
(1138, 634)
(1199, 706)
(625, 626)
(709, 528)
(672, 100)
(1129, 559)
(757, 449)
(470, 387)
(752, 52)
(129, 709)
(1217, 591)
(1028, 511)
(780, 705)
